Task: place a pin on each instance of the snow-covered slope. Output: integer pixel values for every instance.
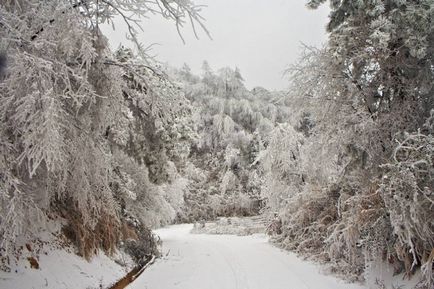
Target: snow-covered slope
(60, 269)
(194, 261)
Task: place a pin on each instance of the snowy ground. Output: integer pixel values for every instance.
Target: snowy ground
(60, 269)
(195, 261)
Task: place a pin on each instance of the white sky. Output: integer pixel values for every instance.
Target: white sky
(260, 37)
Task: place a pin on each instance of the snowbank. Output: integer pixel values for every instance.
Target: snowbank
(231, 226)
(60, 269)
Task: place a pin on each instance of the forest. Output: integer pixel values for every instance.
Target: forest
(100, 146)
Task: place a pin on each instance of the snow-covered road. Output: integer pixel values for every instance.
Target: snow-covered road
(229, 262)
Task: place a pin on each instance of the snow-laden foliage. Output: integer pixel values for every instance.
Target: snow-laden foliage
(233, 125)
(88, 135)
(110, 144)
(408, 195)
(358, 187)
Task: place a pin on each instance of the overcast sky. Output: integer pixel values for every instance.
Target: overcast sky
(260, 37)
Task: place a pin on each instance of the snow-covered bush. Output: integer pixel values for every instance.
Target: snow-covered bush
(407, 190)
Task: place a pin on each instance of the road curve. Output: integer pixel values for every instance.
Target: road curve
(229, 262)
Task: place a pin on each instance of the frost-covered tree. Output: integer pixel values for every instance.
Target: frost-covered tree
(82, 128)
(233, 126)
(361, 199)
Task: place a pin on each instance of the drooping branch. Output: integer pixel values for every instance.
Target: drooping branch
(51, 21)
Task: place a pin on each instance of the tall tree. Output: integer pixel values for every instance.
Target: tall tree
(70, 110)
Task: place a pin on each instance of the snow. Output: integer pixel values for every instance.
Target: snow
(232, 226)
(60, 269)
(380, 275)
(229, 262)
